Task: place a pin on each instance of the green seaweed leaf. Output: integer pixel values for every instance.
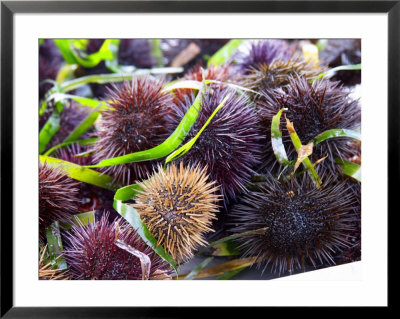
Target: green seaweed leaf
(276, 140)
(350, 169)
(80, 173)
(196, 270)
(225, 53)
(334, 133)
(55, 247)
(51, 127)
(82, 127)
(86, 141)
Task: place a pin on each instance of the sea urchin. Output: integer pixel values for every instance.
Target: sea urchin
(313, 109)
(178, 206)
(231, 143)
(92, 253)
(135, 123)
(58, 196)
(304, 224)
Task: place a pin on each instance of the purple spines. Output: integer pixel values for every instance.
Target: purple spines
(92, 253)
(304, 225)
(230, 144)
(264, 52)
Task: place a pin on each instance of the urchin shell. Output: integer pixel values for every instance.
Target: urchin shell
(305, 225)
(135, 123)
(230, 145)
(263, 52)
(278, 73)
(92, 253)
(178, 206)
(58, 196)
(313, 109)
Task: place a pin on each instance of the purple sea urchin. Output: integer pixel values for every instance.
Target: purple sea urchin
(313, 109)
(178, 206)
(305, 225)
(58, 196)
(263, 52)
(92, 253)
(230, 145)
(135, 123)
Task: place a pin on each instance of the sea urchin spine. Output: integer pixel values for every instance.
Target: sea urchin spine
(178, 206)
(304, 224)
(92, 253)
(135, 122)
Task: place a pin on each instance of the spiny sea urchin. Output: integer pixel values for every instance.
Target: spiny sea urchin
(92, 253)
(277, 74)
(178, 206)
(313, 109)
(263, 52)
(135, 123)
(305, 224)
(58, 196)
(230, 145)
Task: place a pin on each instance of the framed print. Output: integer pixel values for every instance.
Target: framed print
(196, 154)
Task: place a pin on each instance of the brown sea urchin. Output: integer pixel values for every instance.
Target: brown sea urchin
(92, 253)
(178, 206)
(313, 109)
(135, 123)
(58, 196)
(305, 225)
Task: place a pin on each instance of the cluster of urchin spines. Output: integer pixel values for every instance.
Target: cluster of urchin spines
(313, 108)
(278, 73)
(135, 122)
(230, 145)
(92, 254)
(58, 196)
(178, 206)
(305, 225)
(263, 52)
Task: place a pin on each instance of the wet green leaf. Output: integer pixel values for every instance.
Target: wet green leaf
(84, 101)
(110, 78)
(228, 275)
(276, 140)
(82, 219)
(72, 53)
(83, 127)
(87, 141)
(165, 148)
(80, 173)
(51, 127)
(225, 53)
(182, 84)
(156, 52)
(223, 268)
(350, 169)
(195, 271)
(337, 133)
(127, 192)
(331, 72)
(55, 247)
(306, 161)
(226, 248)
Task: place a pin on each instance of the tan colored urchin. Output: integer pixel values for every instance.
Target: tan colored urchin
(178, 206)
(278, 73)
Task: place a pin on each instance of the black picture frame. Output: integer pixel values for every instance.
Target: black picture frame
(9, 8)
